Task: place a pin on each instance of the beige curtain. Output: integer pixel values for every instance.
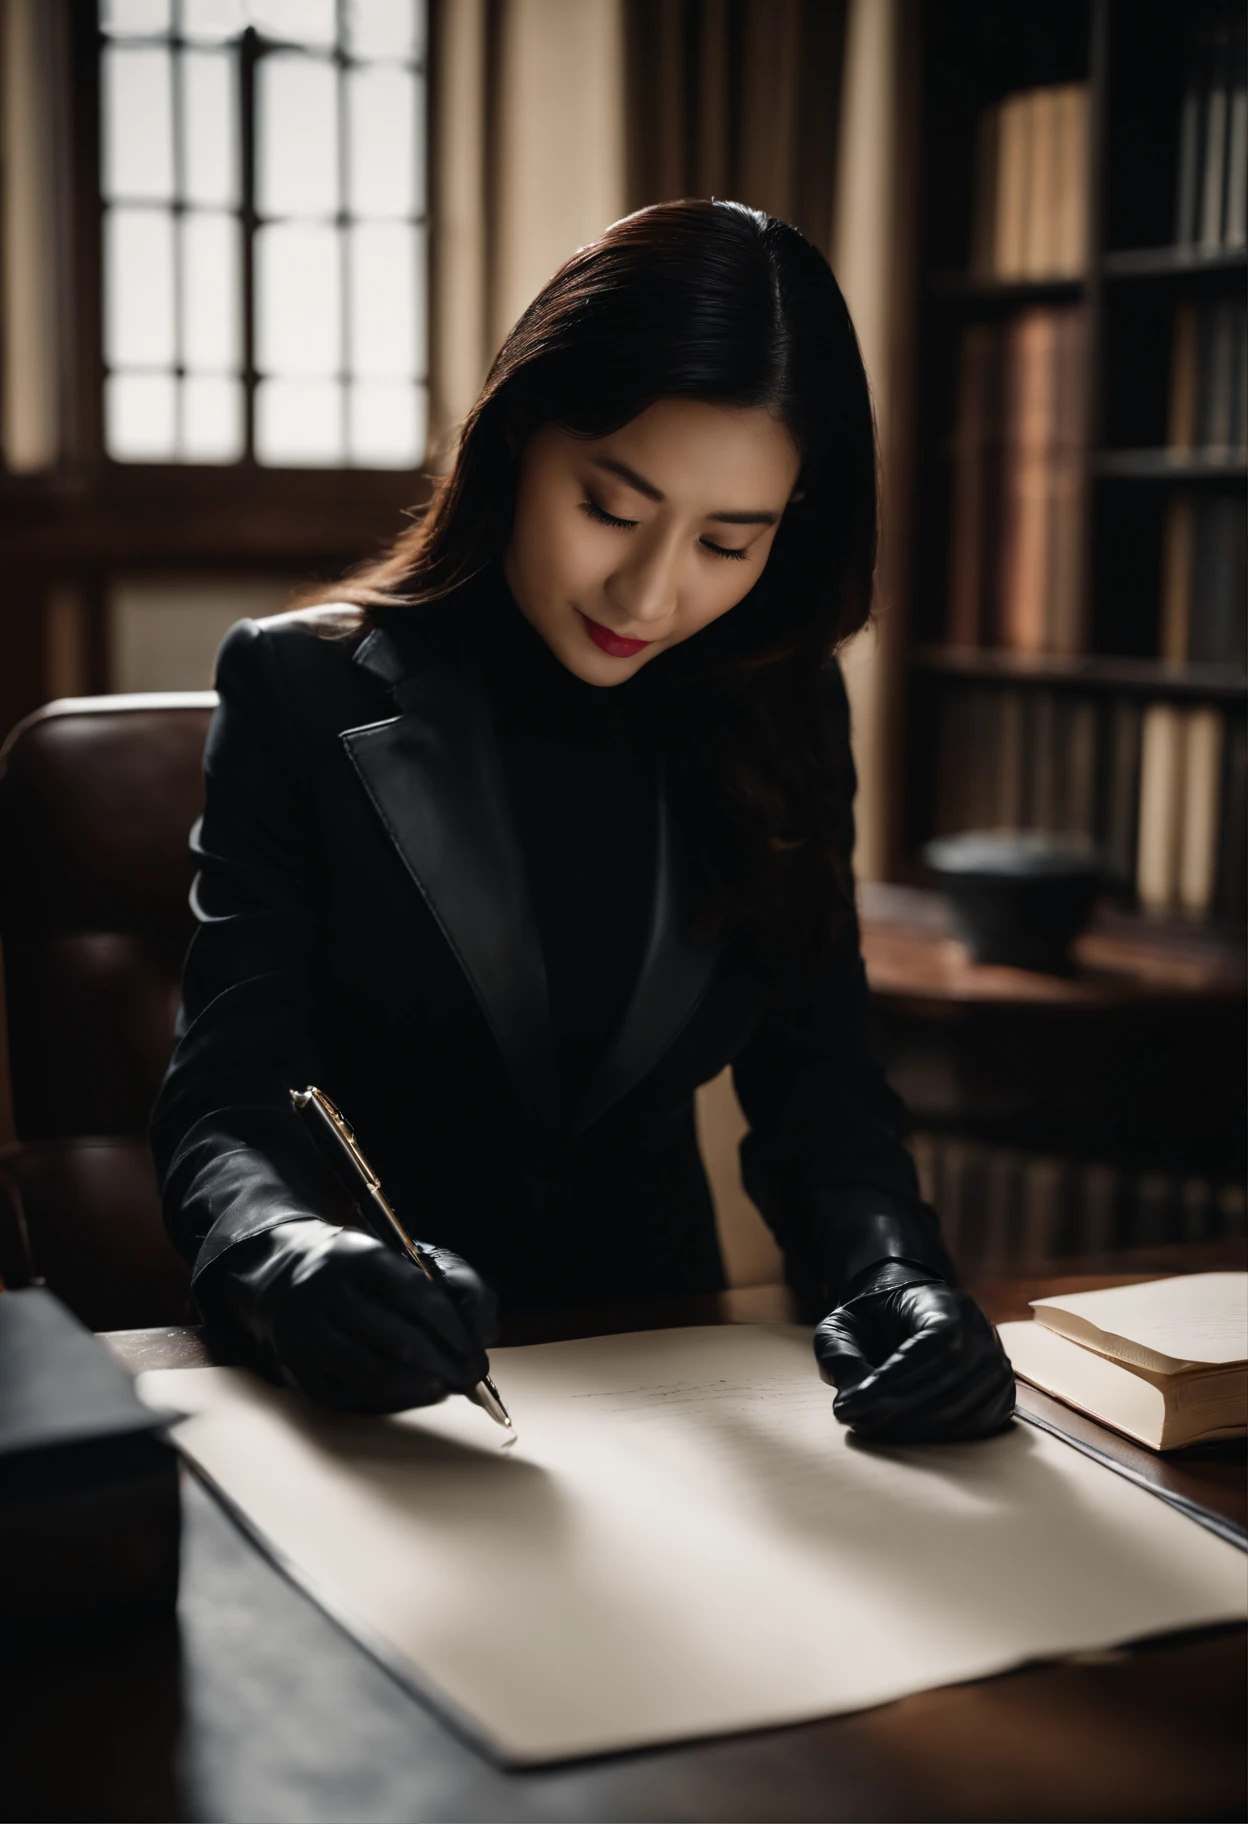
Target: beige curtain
(872, 256)
(739, 99)
(32, 216)
(528, 165)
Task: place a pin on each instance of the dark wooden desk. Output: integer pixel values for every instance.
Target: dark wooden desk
(255, 1706)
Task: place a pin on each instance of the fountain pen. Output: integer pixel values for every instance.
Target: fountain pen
(336, 1139)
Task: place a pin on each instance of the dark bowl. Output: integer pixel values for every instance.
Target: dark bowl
(1018, 899)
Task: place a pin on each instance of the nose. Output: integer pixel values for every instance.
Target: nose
(644, 588)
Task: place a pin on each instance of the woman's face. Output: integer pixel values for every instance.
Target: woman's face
(623, 546)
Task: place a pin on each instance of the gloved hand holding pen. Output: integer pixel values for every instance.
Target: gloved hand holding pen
(353, 1324)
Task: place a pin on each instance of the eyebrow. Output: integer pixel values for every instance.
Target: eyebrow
(648, 488)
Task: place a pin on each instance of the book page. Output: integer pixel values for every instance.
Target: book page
(1094, 1383)
(1164, 1324)
(685, 1542)
(1161, 1411)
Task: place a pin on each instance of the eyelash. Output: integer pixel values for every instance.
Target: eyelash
(599, 514)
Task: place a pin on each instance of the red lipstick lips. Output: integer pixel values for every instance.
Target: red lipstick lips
(614, 644)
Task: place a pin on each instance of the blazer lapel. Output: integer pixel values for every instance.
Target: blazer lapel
(435, 779)
(675, 973)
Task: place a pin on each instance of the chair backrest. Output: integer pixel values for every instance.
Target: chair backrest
(97, 799)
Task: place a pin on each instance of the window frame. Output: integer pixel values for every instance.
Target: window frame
(93, 510)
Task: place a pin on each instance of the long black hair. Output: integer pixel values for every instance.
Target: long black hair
(714, 301)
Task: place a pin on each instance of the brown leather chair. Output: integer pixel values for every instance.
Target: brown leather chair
(97, 799)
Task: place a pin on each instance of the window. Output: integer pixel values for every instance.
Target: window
(263, 184)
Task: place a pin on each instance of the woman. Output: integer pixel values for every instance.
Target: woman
(541, 829)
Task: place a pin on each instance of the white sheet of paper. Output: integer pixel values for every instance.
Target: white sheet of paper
(684, 1541)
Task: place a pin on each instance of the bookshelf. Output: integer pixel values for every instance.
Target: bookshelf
(1075, 630)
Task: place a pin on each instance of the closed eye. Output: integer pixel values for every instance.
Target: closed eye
(601, 517)
(593, 511)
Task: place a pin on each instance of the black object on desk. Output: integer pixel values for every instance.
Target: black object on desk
(89, 1511)
(1018, 899)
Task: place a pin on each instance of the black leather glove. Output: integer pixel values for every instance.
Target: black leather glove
(914, 1359)
(352, 1324)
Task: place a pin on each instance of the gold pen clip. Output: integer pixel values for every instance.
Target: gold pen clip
(301, 1098)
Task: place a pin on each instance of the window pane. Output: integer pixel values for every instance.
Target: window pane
(298, 134)
(134, 18)
(383, 158)
(385, 28)
(299, 423)
(299, 306)
(209, 128)
(387, 333)
(212, 419)
(213, 19)
(139, 417)
(211, 342)
(309, 22)
(137, 104)
(138, 288)
(386, 425)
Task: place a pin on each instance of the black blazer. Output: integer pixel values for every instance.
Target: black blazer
(364, 924)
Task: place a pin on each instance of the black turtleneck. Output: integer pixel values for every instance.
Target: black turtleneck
(580, 764)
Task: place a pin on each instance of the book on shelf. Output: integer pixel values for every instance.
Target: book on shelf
(1017, 472)
(1208, 408)
(1235, 218)
(1213, 163)
(1042, 791)
(1202, 791)
(976, 483)
(1211, 191)
(1166, 1362)
(1009, 1209)
(1204, 575)
(1178, 540)
(1180, 814)
(1121, 771)
(1223, 342)
(1158, 789)
(1204, 569)
(1043, 1188)
(1029, 436)
(1161, 802)
(1065, 524)
(1185, 363)
(1219, 579)
(1232, 888)
(1029, 216)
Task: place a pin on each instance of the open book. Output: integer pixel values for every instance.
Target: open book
(1165, 1362)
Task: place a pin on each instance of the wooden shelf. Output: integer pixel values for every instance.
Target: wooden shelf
(1173, 262)
(962, 289)
(1109, 382)
(1170, 465)
(1124, 263)
(910, 950)
(1088, 671)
